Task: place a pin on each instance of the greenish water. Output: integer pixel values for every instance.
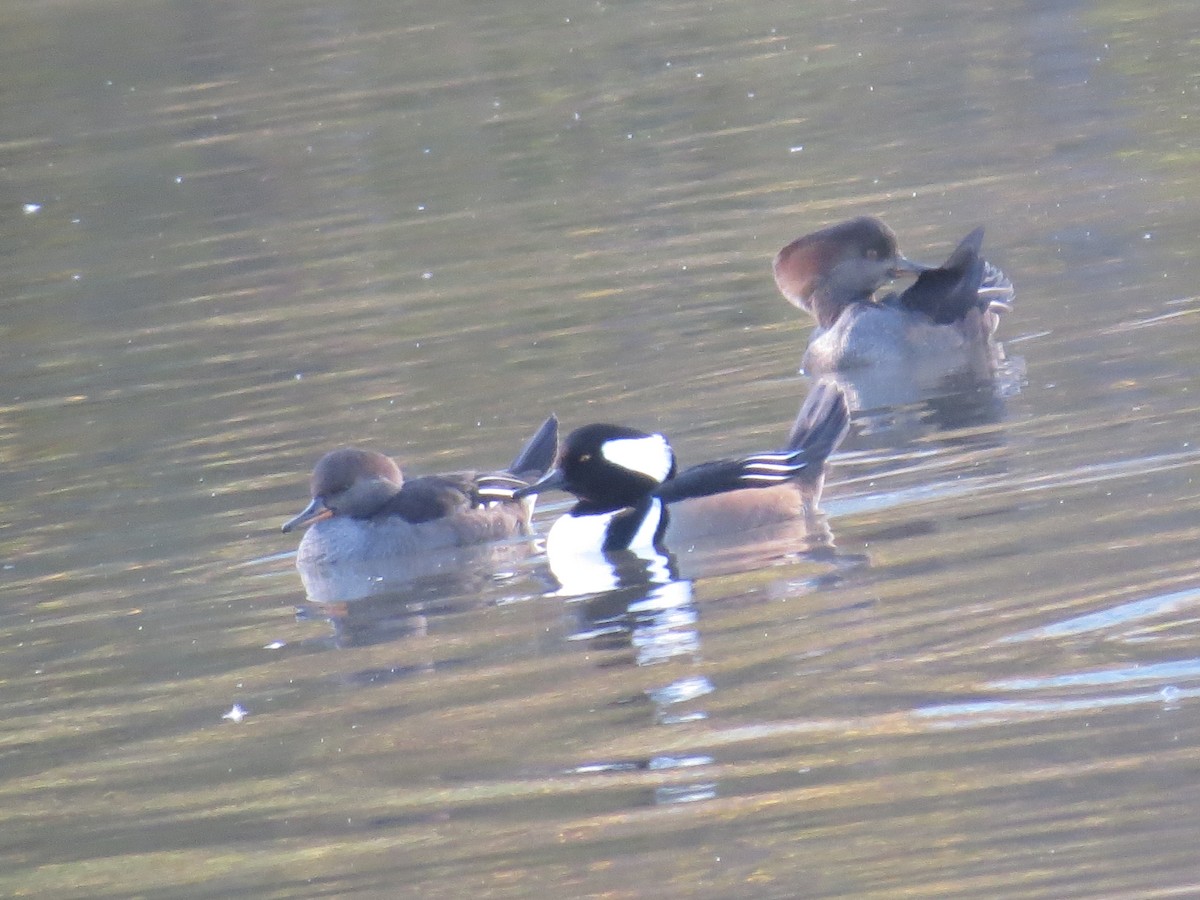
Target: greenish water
(238, 235)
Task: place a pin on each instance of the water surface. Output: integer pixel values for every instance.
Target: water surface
(238, 235)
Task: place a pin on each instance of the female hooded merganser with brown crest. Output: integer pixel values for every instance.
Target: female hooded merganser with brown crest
(630, 494)
(364, 510)
(833, 274)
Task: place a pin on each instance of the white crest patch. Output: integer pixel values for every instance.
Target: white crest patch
(650, 455)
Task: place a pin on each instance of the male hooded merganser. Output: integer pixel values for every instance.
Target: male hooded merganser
(832, 274)
(364, 510)
(625, 479)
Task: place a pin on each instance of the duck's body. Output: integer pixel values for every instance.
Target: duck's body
(819, 427)
(630, 495)
(363, 509)
(737, 512)
(342, 539)
(944, 319)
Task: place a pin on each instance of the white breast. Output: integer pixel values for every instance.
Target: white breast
(581, 567)
(582, 534)
(588, 533)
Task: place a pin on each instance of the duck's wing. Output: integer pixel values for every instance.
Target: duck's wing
(722, 475)
(530, 464)
(820, 426)
(996, 289)
(432, 497)
(498, 487)
(948, 293)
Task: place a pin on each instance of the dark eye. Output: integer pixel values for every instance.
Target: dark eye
(872, 254)
(584, 457)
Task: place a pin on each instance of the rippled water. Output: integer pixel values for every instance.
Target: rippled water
(237, 235)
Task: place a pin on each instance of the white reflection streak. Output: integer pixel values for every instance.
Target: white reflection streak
(1170, 671)
(1000, 485)
(1146, 323)
(1119, 615)
(992, 712)
(975, 714)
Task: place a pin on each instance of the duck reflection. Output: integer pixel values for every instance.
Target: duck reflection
(895, 403)
(370, 603)
(632, 609)
(626, 600)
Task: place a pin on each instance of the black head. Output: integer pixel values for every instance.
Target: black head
(609, 466)
(825, 271)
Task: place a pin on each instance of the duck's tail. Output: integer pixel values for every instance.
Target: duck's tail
(819, 428)
(948, 293)
(534, 461)
(537, 456)
(821, 423)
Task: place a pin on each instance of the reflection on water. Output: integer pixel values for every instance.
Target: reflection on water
(892, 404)
(641, 613)
(1120, 616)
(461, 570)
(382, 601)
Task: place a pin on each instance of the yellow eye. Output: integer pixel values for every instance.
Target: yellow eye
(584, 457)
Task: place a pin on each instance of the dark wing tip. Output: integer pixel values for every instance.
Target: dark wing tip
(539, 452)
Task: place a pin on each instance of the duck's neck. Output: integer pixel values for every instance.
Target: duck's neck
(828, 302)
(637, 526)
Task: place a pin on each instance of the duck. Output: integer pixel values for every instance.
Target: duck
(363, 509)
(948, 315)
(631, 495)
